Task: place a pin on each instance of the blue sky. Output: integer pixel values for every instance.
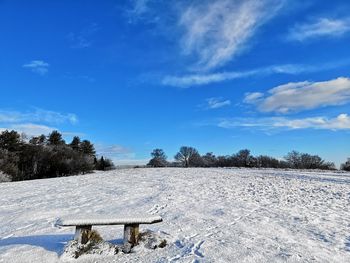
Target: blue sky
(220, 75)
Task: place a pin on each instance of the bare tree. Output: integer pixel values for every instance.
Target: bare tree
(158, 158)
(299, 160)
(267, 161)
(293, 158)
(346, 166)
(187, 156)
(209, 160)
(243, 159)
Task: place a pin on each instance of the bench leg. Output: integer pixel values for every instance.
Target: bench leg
(82, 234)
(131, 234)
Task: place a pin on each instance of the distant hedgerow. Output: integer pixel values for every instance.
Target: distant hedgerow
(190, 157)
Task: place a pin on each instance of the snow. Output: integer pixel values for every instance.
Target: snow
(209, 215)
(101, 220)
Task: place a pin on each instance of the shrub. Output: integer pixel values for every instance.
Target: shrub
(4, 177)
(346, 166)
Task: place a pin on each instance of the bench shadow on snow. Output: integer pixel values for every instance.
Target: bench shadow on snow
(118, 242)
(54, 243)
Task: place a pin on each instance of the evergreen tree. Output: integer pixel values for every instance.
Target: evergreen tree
(103, 164)
(42, 139)
(35, 160)
(87, 147)
(10, 140)
(55, 138)
(75, 144)
(38, 140)
(9, 164)
(34, 140)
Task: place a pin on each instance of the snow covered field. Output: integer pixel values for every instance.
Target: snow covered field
(210, 215)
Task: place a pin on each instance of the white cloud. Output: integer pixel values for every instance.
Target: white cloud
(37, 66)
(217, 102)
(216, 31)
(298, 96)
(37, 115)
(323, 27)
(253, 97)
(187, 81)
(30, 129)
(33, 129)
(33, 123)
(202, 79)
(341, 122)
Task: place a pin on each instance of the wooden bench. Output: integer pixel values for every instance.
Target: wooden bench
(83, 226)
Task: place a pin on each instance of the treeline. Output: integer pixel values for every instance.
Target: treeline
(190, 157)
(46, 156)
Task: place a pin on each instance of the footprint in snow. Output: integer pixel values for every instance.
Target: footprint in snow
(347, 244)
(8, 236)
(156, 208)
(196, 247)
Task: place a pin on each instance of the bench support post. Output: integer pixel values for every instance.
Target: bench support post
(82, 234)
(131, 234)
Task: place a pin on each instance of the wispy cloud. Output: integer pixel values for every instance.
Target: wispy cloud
(113, 150)
(341, 122)
(37, 115)
(142, 10)
(187, 81)
(128, 162)
(216, 31)
(322, 27)
(37, 66)
(139, 7)
(217, 102)
(298, 96)
(120, 155)
(82, 39)
(36, 121)
(203, 79)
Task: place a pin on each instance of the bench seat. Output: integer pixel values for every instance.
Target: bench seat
(101, 221)
(83, 226)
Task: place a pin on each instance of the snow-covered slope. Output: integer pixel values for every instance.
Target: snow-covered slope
(210, 215)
